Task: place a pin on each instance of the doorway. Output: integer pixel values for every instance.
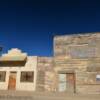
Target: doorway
(12, 81)
(66, 82)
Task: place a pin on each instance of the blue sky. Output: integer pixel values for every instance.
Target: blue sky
(30, 25)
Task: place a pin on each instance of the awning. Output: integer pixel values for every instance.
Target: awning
(13, 58)
(13, 61)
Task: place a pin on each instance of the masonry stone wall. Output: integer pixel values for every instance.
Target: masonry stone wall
(45, 74)
(80, 54)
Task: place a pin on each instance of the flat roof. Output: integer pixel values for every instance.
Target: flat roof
(77, 34)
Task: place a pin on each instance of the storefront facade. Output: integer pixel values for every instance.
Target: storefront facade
(77, 63)
(74, 67)
(18, 71)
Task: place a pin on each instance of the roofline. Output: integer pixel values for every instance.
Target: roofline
(45, 56)
(77, 34)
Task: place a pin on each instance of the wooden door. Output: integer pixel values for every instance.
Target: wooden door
(70, 81)
(66, 82)
(12, 81)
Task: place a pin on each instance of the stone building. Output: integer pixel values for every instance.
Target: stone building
(77, 63)
(74, 67)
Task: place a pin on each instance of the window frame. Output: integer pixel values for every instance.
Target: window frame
(25, 79)
(4, 77)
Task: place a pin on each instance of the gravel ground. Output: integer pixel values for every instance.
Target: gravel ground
(10, 95)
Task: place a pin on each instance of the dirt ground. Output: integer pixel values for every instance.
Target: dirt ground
(12, 95)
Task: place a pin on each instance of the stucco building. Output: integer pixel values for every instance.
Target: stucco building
(18, 71)
(74, 67)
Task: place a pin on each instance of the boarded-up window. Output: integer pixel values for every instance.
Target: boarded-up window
(2, 76)
(27, 76)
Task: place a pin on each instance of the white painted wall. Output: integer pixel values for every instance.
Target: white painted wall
(31, 65)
